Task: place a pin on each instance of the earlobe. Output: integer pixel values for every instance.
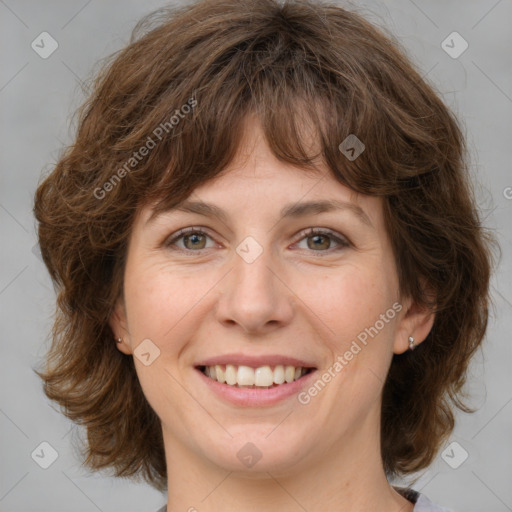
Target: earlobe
(414, 326)
(118, 324)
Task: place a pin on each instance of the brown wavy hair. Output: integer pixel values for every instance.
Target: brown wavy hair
(182, 88)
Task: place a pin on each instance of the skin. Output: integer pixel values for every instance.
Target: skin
(324, 455)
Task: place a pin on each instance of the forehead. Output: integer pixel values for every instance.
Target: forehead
(257, 181)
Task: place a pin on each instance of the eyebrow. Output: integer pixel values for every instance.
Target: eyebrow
(294, 210)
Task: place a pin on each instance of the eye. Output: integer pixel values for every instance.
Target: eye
(320, 240)
(193, 239)
(317, 240)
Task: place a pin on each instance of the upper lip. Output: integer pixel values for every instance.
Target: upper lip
(255, 361)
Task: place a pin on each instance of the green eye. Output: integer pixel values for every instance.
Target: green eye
(196, 240)
(320, 240)
(193, 239)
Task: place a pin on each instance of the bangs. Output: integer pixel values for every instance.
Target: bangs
(306, 101)
(295, 124)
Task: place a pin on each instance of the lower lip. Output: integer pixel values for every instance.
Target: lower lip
(254, 397)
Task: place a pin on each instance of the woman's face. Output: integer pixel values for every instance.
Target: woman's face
(250, 287)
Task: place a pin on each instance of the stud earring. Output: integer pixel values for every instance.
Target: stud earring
(119, 340)
(411, 343)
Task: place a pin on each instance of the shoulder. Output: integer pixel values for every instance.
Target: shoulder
(421, 502)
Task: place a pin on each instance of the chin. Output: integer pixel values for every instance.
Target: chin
(254, 453)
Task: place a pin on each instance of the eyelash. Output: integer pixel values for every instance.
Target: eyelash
(343, 242)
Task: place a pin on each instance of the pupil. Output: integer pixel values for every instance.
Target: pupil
(319, 237)
(195, 238)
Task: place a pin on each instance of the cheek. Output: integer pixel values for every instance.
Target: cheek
(160, 305)
(161, 301)
(148, 299)
(348, 301)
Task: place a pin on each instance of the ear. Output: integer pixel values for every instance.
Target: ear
(416, 321)
(119, 327)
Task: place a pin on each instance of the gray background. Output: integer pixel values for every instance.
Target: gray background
(37, 99)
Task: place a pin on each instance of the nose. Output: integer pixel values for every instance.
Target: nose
(255, 296)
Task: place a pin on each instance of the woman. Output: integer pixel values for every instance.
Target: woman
(272, 274)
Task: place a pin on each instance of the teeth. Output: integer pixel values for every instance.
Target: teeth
(263, 376)
(289, 373)
(230, 375)
(279, 374)
(221, 374)
(245, 376)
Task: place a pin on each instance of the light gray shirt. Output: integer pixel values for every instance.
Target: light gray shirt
(423, 504)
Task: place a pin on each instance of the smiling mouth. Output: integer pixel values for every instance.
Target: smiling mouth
(263, 377)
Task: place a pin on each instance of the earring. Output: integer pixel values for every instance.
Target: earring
(119, 340)
(411, 343)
